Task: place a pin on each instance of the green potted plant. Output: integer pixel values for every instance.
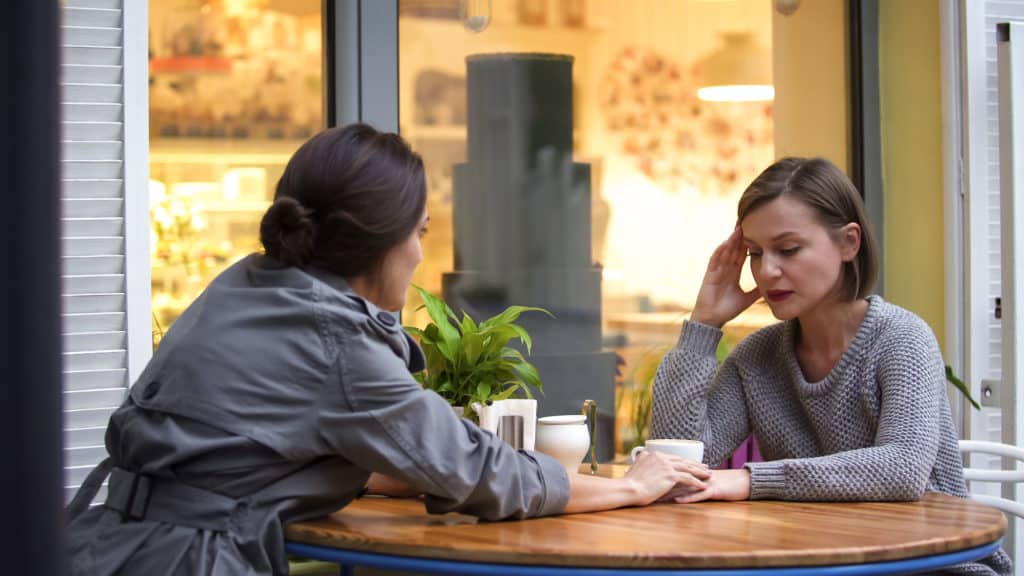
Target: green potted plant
(472, 364)
(636, 392)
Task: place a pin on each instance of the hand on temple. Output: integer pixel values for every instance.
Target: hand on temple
(721, 298)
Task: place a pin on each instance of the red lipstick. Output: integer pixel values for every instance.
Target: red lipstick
(777, 295)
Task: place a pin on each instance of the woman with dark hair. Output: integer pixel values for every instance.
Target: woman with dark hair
(287, 383)
(846, 396)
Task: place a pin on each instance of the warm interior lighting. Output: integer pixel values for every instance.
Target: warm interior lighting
(738, 72)
(738, 93)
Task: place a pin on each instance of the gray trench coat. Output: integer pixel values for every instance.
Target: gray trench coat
(271, 400)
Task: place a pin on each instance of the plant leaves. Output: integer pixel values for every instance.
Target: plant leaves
(528, 374)
(449, 339)
(512, 354)
(468, 325)
(524, 336)
(483, 390)
(468, 362)
(510, 314)
(523, 370)
(435, 360)
(525, 390)
(959, 385)
(472, 346)
(506, 393)
(497, 337)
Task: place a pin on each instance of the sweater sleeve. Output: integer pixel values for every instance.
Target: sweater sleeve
(694, 398)
(911, 389)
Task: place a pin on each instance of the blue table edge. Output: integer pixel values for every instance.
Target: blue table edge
(432, 565)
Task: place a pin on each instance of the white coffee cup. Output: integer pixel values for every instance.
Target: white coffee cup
(689, 449)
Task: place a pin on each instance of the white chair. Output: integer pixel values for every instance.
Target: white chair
(985, 475)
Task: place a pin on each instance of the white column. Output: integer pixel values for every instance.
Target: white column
(1010, 48)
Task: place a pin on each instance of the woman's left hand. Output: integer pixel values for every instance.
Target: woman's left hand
(722, 485)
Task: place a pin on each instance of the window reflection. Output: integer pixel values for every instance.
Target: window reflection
(235, 88)
(665, 167)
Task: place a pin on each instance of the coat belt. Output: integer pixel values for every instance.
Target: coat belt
(144, 497)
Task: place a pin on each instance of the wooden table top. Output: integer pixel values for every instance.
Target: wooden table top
(704, 535)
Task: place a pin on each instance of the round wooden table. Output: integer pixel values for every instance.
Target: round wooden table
(718, 538)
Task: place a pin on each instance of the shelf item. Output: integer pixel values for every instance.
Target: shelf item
(207, 199)
(190, 64)
(436, 132)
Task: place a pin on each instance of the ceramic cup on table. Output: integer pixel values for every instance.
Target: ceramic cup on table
(564, 438)
(689, 449)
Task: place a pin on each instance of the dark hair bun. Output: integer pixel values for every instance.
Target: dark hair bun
(288, 232)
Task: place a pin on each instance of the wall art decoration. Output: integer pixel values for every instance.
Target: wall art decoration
(650, 105)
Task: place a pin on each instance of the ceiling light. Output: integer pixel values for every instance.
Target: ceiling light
(740, 71)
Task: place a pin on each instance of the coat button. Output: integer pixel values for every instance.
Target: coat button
(386, 319)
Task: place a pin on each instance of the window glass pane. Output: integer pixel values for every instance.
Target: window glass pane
(235, 88)
(572, 165)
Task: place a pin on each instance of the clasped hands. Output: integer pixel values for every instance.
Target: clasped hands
(654, 473)
(700, 484)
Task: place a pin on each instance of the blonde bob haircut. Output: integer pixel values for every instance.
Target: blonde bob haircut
(823, 187)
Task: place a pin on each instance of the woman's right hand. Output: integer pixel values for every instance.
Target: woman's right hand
(656, 475)
(720, 298)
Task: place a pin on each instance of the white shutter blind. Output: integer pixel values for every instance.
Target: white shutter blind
(995, 11)
(93, 231)
(986, 343)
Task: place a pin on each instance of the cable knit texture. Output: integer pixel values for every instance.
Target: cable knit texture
(877, 428)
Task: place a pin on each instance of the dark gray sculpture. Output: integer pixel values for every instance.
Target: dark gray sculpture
(522, 228)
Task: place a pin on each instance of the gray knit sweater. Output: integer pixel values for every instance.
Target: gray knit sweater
(877, 428)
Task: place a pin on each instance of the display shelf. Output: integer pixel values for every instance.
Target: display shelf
(226, 151)
(454, 132)
(499, 32)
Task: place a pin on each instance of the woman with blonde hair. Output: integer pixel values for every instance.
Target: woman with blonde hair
(846, 395)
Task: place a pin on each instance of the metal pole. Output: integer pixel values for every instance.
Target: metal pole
(30, 360)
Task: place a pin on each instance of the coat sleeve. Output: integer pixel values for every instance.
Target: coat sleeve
(385, 422)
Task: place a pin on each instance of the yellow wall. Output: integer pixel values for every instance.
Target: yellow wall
(911, 109)
(811, 82)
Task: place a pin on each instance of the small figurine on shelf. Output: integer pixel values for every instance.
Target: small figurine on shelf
(572, 13)
(175, 220)
(533, 12)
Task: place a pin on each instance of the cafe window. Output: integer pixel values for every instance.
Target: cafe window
(235, 87)
(604, 209)
(583, 156)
